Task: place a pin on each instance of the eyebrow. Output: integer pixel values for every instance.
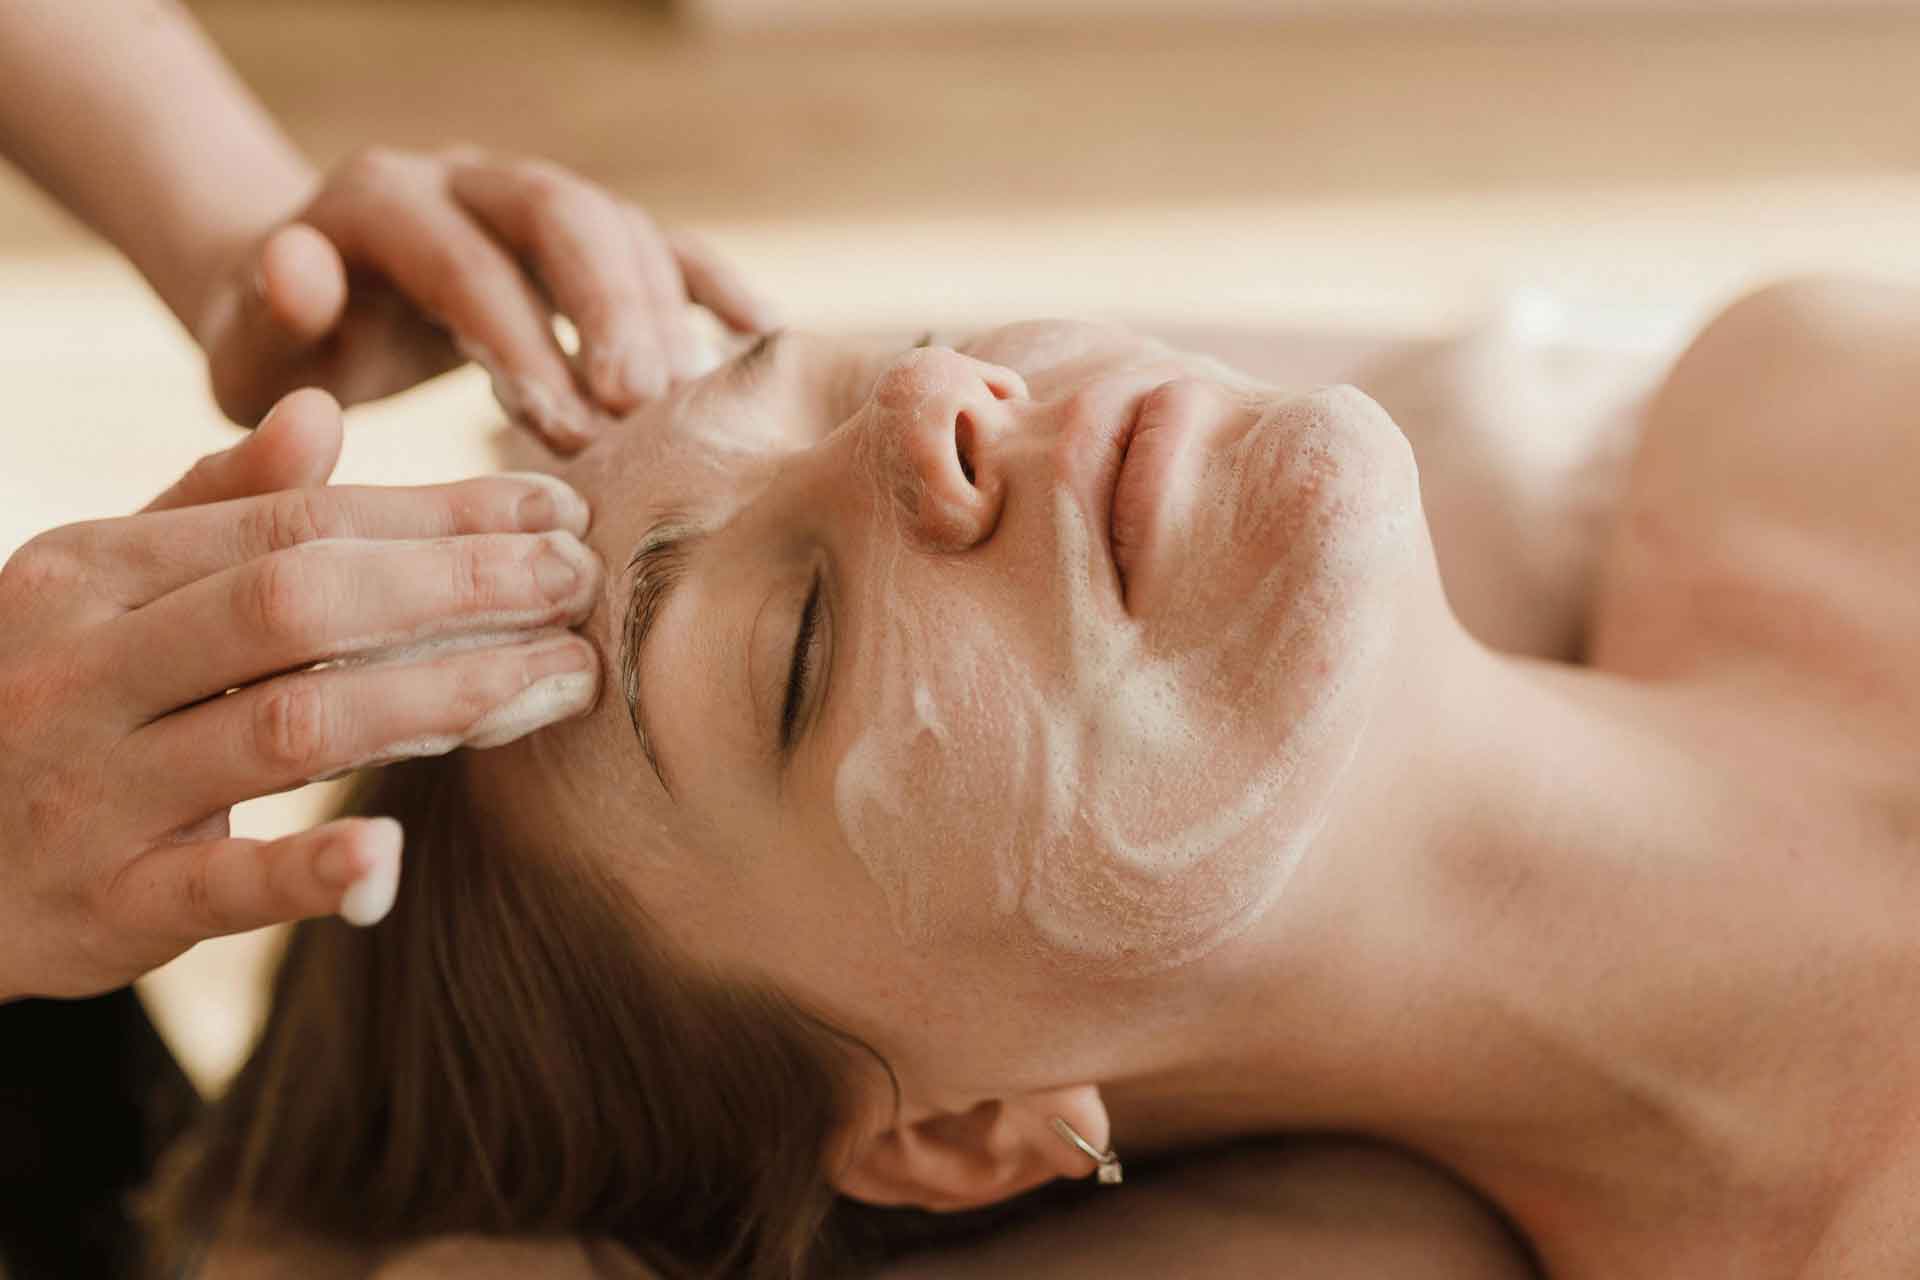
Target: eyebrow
(659, 565)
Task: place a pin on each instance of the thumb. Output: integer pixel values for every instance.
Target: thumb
(291, 299)
(295, 447)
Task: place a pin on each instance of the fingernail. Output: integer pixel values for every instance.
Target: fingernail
(561, 565)
(566, 679)
(552, 504)
(369, 898)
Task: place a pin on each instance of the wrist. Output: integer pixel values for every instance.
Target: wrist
(200, 268)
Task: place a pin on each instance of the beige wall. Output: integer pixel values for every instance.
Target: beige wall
(794, 13)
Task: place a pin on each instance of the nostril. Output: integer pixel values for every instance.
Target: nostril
(963, 445)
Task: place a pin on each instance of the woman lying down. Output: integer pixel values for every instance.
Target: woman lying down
(1057, 751)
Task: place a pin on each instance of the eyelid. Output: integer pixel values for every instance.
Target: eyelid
(803, 674)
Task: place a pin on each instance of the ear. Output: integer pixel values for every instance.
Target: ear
(952, 1160)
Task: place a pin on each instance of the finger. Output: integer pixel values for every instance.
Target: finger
(713, 283)
(303, 283)
(433, 252)
(144, 557)
(287, 732)
(577, 239)
(296, 446)
(205, 889)
(339, 599)
(668, 293)
(289, 303)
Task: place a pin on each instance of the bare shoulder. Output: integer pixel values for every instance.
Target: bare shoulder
(1324, 1210)
(1771, 507)
(1797, 396)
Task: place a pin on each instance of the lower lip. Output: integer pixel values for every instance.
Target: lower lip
(1167, 417)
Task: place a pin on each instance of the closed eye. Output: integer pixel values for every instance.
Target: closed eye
(800, 671)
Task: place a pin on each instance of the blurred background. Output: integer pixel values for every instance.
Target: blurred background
(1257, 166)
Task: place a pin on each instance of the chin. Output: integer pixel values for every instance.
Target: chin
(1226, 746)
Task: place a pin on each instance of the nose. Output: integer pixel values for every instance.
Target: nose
(937, 418)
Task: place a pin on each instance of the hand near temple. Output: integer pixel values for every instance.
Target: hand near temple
(252, 630)
(405, 263)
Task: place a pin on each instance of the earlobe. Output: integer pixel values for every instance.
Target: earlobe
(947, 1161)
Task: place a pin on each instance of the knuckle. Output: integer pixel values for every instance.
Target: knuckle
(292, 730)
(197, 899)
(56, 804)
(45, 564)
(482, 570)
(479, 687)
(290, 520)
(373, 166)
(282, 599)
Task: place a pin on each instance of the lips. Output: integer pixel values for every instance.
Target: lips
(1150, 457)
(1119, 453)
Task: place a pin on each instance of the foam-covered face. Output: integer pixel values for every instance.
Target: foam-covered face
(1042, 654)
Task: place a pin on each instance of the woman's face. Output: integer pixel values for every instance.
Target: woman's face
(944, 677)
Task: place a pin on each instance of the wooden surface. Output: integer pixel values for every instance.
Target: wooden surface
(1387, 177)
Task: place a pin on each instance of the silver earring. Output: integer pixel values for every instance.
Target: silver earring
(1109, 1171)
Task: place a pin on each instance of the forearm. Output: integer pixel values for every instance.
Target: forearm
(126, 114)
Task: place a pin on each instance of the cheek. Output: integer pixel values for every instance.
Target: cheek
(927, 793)
(1023, 775)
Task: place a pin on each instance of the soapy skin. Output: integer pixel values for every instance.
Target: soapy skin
(1144, 793)
(1007, 760)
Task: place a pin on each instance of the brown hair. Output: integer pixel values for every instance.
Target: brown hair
(515, 1051)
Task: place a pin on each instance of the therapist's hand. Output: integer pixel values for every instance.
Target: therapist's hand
(405, 264)
(157, 669)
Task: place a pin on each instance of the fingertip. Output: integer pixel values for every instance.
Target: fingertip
(605, 364)
(371, 894)
(560, 418)
(552, 504)
(641, 374)
(303, 281)
(744, 313)
(298, 443)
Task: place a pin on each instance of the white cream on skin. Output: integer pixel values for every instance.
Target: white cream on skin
(369, 898)
(546, 701)
(1141, 791)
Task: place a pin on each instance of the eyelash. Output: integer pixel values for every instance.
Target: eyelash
(805, 641)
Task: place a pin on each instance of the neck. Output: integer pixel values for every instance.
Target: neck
(1547, 954)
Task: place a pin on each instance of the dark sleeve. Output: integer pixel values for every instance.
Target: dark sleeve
(89, 1097)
